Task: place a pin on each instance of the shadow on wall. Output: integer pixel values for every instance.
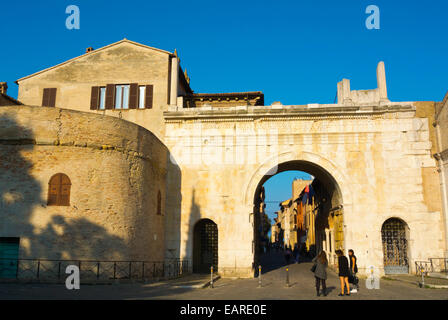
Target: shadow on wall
(173, 209)
(57, 235)
(195, 217)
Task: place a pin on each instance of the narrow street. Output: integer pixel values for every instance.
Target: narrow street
(301, 287)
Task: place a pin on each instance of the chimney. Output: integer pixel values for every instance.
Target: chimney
(89, 49)
(3, 87)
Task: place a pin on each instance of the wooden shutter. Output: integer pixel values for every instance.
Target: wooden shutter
(52, 102)
(46, 98)
(64, 195)
(59, 190)
(53, 194)
(133, 96)
(149, 96)
(95, 98)
(49, 97)
(110, 96)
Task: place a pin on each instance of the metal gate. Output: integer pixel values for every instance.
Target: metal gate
(395, 246)
(205, 246)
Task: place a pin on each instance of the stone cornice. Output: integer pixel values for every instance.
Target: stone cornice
(282, 113)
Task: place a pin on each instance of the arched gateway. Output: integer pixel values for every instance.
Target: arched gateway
(321, 225)
(205, 246)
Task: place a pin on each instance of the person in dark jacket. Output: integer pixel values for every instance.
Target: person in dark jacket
(320, 273)
(353, 270)
(344, 272)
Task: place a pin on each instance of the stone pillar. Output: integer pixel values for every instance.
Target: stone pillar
(381, 80)
(344, 97)
(340, 93)
(174, 80)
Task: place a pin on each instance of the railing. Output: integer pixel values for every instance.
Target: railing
(423, 266)
(434, 265)
(93, 271)
(439, 265)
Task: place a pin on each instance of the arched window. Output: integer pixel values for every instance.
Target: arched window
(59, 190)
(159, 203)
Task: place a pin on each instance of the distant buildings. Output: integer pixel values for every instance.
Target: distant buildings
(308, 221)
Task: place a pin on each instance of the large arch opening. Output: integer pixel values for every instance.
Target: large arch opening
(310, 220)
(205, 246)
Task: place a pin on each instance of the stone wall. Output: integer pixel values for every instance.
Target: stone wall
(116, 170)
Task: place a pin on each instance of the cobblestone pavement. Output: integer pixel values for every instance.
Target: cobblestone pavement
(273, 288)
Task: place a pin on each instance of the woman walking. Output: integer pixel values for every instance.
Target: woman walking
(353, 270)
(320, 272)
(344, 272)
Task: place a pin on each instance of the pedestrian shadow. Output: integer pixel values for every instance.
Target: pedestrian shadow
(330, 289)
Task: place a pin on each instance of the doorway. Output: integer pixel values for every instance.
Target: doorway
(9, 254)
(205, 246)
(395, 234)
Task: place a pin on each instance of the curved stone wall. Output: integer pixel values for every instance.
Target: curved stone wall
(116, 169)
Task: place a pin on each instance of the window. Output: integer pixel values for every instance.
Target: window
(122, 97)
(141, 97)
(59, 190)
(49, 97)
(102, 98)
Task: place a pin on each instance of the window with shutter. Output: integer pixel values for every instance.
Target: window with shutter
(49, 97)
(59, 190)
(149, 97)
(95, 98)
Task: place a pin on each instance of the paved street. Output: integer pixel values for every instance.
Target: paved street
(273, 287)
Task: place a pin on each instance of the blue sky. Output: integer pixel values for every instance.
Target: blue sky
(293, 51)
(279, 188)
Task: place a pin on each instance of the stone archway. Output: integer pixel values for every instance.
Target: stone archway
(205, 246)
(331, 236)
